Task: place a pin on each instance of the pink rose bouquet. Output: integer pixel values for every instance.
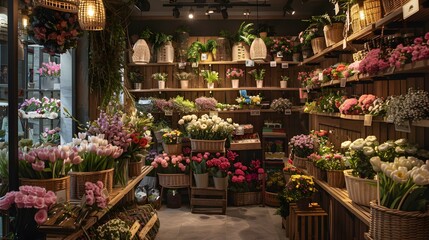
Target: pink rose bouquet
(165, 163)
(234, 73)
(350, 106)
(95, 195)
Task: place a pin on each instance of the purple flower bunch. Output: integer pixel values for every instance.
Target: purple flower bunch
(94, 195)
(373, 62)
(205, 103)
(302, 145)
(30, 105)
(163, 105)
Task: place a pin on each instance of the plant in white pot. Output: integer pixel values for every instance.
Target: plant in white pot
(136, 78)
(242, 41)
(259, 75)
(184, 78)
(210, 76)
(234, 74)
(164, 47)
(161, 78)
(283, 81)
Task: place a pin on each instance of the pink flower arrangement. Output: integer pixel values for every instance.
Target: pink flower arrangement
(366, 101)
(219, 165)
(50, 69)
(373, 62)
(246, 178)
(171, 164)
(163, 105)
(234, 73)
(350, 106)
(94, 195)
(302, 145)
(199, 162)
(30, 197)
(205, 103)
(282, 45)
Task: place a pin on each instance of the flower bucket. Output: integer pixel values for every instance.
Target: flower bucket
(283, 84)
(310, 167)
(220, 183)
(141, 52)
(138, 86)
(78, 180)
(394, 224)
(184, 84)
(303, 204)
(210, 85)
(235, 83)
(319, 174)
(333, 33)
(60, 186)
(172, 149)
(120, 175)
(318, 44)
(336, 178)
(201, 180)
(173, 180)
(299, 162)
(271, 199)
(240, 52)
(135, 168)
(161, 84)
(259, 83)
(361, 191)
(246, 198)
(208, 145)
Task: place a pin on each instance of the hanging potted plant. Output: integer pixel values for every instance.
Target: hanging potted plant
(164, 47)
(136, 78)
(210, 76)
(234, 74)
(184, 78)
(242, 41)
(283, 81)
(161, 78)
(258, 75)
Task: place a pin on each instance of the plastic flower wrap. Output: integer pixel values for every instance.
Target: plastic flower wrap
(246, 177)
(299, 187)
(281, 104)
(234, 73)
(205, 103)
(413, 106)
(403, 183)
(207, 127)
(172, 137)
(302, 145)
(165, 163)
(50, 69)
(114, 229)
(358, 153)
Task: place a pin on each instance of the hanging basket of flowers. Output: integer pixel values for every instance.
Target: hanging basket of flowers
(59, 5)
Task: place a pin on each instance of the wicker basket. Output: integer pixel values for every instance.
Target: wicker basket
(361, 191)
(165, 53)
(372, 9)
(54, 185)
(173, 180)
(299, 162)
(208, 145)
(333, 33)
(320, 174)
(135, 168)
(318, 44)
(390, 5)
(246, 198)
(172, 149)
(397, 225)
(59, 5)
(309, 165)
(271, 199)
(357, 22)
(78, 180)
(258, 49)
(336, 178)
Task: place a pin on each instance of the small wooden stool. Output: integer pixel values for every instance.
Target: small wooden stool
(309, 224)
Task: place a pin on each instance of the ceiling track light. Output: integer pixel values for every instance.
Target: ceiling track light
(246, 12)
(287, 8)
(224, 11)
(143, 5)
(176, 12)
(191, 13)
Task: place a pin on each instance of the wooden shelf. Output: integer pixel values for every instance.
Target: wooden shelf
(279, 64)
(241, 111)
(70, 231)
(210, 89)
(41, 90)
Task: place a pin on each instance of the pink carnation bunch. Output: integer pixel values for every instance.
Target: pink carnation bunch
(219, 165)
(171, 163)
(30, 197)
(302, 145)
(94, 195)
(246, 177)
(350, 106)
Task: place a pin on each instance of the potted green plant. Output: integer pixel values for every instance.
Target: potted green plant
(210, 76)
(258, 75)
(184, 78)
(161, 78)
(204, 52)
(136, 78)
(283, 81)
(242, 41)
(164, 47)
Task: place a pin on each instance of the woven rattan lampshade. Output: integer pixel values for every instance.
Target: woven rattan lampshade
(92, 15)
(59, 5)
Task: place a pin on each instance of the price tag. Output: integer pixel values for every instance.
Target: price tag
(390, 70)
(321, 76)
(204, 56)
(213, 113)
(410, 8)
(288, 111)
(255, 112)
(344, 43)
(194, 64)
(61, 196)
(168, 112)
(337, 8)
(273, 64)
(389, 119)
(367, 122)
(182, 65)
(302, 94)
(405, 127)
(343, 82)
(285, 65)
(134, 228)
(250, 63)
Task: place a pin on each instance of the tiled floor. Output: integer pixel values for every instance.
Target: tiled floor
(250, 222)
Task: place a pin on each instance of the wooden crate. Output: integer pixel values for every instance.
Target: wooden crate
(306, 225)
(208, 200)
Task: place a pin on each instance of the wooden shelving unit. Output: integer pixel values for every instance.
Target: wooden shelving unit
(279, 64)
(155, 90)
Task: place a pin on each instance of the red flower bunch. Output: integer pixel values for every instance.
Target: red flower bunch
(219, 166)
(138, 144)
(246, 178)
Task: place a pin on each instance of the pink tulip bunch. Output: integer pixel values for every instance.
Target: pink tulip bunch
(94, 195)
(171, 164)
(30, 197)
(50, 69)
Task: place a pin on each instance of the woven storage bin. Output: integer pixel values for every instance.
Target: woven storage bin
(357, 22)
(318, 44)
(372, 10)
(54, 185)
(59, 5)
(336, 178)
(333, 33)
(135, 168)
(78, 180)
(258, 49)
(208, 145)
(397, 225)
(240, 52)
(310, 167)
(390, 5)
(246, 198)
(361, 191)
(299, 162)
(172, 149)
(173, 180)
(319, 174)
(165, 53)
(271, 199)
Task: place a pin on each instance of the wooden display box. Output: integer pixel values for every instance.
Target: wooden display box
(208, 200)
(309, 224)
(246, 144)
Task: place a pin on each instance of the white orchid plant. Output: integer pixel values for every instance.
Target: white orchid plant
(207, 127)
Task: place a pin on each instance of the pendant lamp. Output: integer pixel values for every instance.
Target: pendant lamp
(59, 5)
(92, 15)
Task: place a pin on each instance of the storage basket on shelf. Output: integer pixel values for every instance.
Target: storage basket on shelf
(319, 174)
(361, 191)
(173, 180)
(390, 5)
(271, 199)
(165, 53)
(333, 33)
(208, 145)
(135, 168)
(355, 14)
(55, 185)
(318, 44)
(246, 198)
(299, 162)
(372, 11)
(59, 5)
(336, 178)
(394, 224)
(78, 180)
(172, 149)
(310, 167)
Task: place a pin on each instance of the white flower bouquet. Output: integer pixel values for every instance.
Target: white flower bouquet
(206, 127)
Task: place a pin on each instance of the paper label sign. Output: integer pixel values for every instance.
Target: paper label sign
(302, 94)
(213, 113)
(337, 8)
(405, 127)
(288, 111)
(410, 8)
(194, 64)
(61, 196)
(134, 228)
(273, 64)
(250, 63)
(343, 82)
(285, 65)
(344, 43)
(367, 122)
(255, 112)
(168, 113)
(182, 65)
(204, 56)
(320, 76)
